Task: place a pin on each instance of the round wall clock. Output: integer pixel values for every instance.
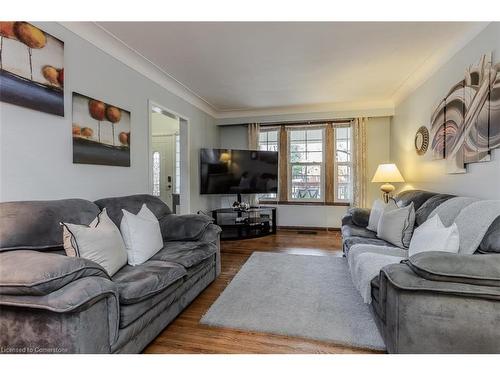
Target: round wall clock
(422, 140)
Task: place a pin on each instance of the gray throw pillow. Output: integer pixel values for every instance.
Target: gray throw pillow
(376, 212)
(396, 226)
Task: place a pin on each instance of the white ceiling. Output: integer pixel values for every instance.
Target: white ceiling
(256, 66)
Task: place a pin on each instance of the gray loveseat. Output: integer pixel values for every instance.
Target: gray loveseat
(433, 302)
(52, 303)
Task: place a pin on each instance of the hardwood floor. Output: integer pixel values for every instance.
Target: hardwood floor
(187, 335)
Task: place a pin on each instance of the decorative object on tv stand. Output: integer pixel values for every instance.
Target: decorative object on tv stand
(422, 140)
(241, 206)
(101, 132)
(387, 173)
(31, 68)
(465, 125)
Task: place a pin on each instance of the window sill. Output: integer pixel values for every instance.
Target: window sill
(302, 203)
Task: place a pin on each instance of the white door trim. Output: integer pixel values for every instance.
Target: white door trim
(185, 206)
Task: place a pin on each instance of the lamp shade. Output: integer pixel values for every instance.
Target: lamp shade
(387, 173)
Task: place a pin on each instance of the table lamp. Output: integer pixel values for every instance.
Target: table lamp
(387, 173)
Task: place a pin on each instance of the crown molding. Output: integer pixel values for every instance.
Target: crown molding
(113, 46)
(433, 63)
(110, 44)
(342, 109)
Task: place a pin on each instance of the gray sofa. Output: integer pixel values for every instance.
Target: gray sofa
(51, 303)
(433, 302)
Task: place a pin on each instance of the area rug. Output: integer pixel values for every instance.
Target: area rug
(296, 295)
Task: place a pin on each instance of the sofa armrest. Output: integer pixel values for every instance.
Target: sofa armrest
(357, 216)
(183, 227)
(27, 272)
(456, 268)
(82, 316)
(211, 235)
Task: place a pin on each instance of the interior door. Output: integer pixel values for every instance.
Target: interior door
(165, 146)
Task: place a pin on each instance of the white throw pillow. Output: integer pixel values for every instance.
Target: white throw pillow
(100, 242)
(376, 212)
(432, 235)
(141, 234)
(396, 226)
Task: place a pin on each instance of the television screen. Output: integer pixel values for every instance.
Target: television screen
(224, 171)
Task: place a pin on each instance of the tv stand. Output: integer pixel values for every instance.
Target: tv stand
(240, 224)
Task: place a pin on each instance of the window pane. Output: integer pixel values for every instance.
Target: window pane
(297, 146)
(306, 148)
(272, 136)
(343, 158)
(156, 174)
(298, 135)
(272, 147)
(268, 140)
(314, 157)
(315, 134)
(314, 145)
(342, 133)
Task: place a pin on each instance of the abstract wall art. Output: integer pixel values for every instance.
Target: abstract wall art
(465, 125)
(31, 68)
(101, 132)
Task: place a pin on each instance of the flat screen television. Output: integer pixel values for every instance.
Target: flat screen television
(225, 171)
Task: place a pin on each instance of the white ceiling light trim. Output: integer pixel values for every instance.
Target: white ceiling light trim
(113, 46)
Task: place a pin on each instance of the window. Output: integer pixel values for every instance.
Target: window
(343, 163)
(305, 164)
(156, 174)
(268, 141)
(177, 187)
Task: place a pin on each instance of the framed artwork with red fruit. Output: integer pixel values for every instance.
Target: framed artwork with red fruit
(31, 67)
(101, 132)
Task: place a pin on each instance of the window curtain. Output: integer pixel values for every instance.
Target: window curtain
(359, 162)
(253, 136)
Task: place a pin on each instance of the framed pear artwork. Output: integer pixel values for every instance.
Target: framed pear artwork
(101, 132)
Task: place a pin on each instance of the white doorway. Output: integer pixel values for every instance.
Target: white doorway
(168, 165)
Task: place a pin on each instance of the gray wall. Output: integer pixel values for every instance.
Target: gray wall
(36, 148)
(482, 179)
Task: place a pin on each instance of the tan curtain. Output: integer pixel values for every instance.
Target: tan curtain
(359, 162)
(253, 136)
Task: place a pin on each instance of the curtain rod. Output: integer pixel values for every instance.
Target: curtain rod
(314, 122)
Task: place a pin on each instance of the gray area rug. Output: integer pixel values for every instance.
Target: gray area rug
(296, 295)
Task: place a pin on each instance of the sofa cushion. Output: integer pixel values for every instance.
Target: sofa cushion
(184, 227)
(100, 242)
(26, 272)
(185, 253)
(396, 226)
(137, 283)
(379, 207)
(34, 225)
(347, 243)
(422, 214)
(133, 204)
(360, 216)
(418, 197)
(129, 313)
(491, 240)
(141, 234)
(467, 269)
(350, 230)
